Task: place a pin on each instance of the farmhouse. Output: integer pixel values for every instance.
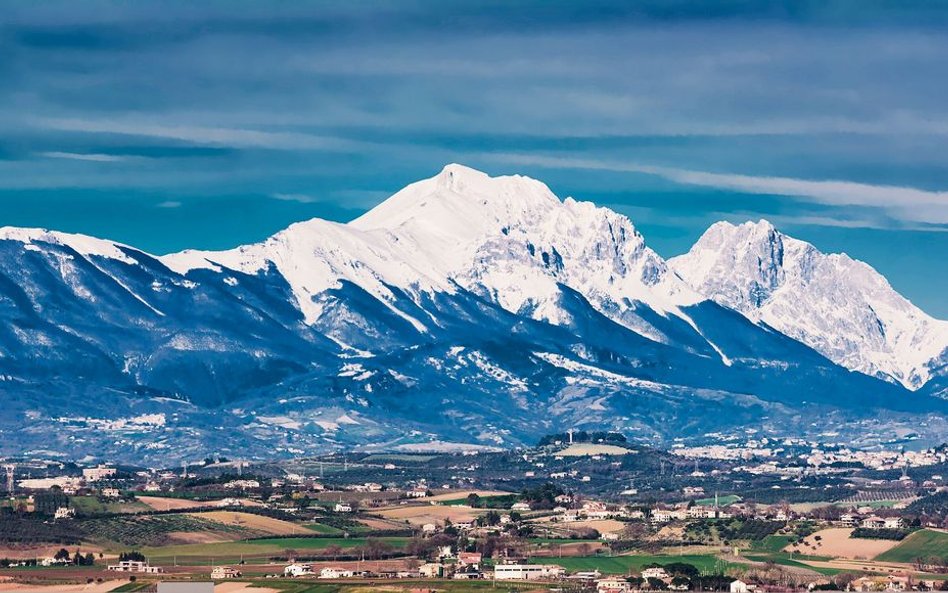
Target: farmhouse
(135, 566)
(873, 522)
(431, 569)
(613, 585)
(526, 572)
(224, 572)
(94, 474)
(64, 513)
(469, 559)
(297, 570)
(655, 572)
(335, 573)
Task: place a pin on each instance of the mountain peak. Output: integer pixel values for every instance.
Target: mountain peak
(839, 306)
(462, 198)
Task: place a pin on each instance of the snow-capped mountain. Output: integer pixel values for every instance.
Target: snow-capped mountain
(508, 239)
(841, 307)
(464, 308)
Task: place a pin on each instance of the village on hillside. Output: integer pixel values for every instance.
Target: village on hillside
(582, 511)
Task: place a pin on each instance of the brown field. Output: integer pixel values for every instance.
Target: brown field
(600, 525)
(421, 514)
(256, 522)
(161, 503)
(41, 550)
(836, 542)
(380, 523)
(102, 587)
(861, 566)
(456, 494)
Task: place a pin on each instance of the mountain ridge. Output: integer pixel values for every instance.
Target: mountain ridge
(458, 309)
(840, 306)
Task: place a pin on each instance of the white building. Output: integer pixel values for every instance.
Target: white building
(343, 508)
(613, 585)
(738, 587)
(526, 572)
(135, 566)
(224, 572)
(297, 570)
(64, 513)
(335, 573)
(893, 523)
(94, 474)
(520, 506)
(431, 570)
(655, 572)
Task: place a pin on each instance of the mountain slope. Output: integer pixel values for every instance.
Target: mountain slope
(465, 308)
(840, 306)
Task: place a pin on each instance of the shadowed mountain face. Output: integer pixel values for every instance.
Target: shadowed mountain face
(463, 309)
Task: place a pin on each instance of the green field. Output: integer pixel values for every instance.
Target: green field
(286, 586)
(921, 544)
(633, 563)
(722, 500)
(772, 543)
(258, 548)
(323, 529)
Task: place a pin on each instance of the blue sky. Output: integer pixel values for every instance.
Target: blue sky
(171, 125)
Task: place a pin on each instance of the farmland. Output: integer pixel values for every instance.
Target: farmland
(837, 542)
(155, 530)
(256, 523)
(921, 544)
(257, 549)
(634, 562)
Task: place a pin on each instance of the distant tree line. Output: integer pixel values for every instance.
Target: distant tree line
(582, 436)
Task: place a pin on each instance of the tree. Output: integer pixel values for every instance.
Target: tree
(333, 550)
(657, 584)
(376, 548)
(62, 554)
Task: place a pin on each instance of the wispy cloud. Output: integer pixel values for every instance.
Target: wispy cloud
(903, 203)
(169, 204)
(301, 198)
(204, 135)
(80, 156)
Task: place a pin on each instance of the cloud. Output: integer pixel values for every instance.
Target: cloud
(169, 204)
(903, 203)
(77, 156)
(301, 198)
(211, 136)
